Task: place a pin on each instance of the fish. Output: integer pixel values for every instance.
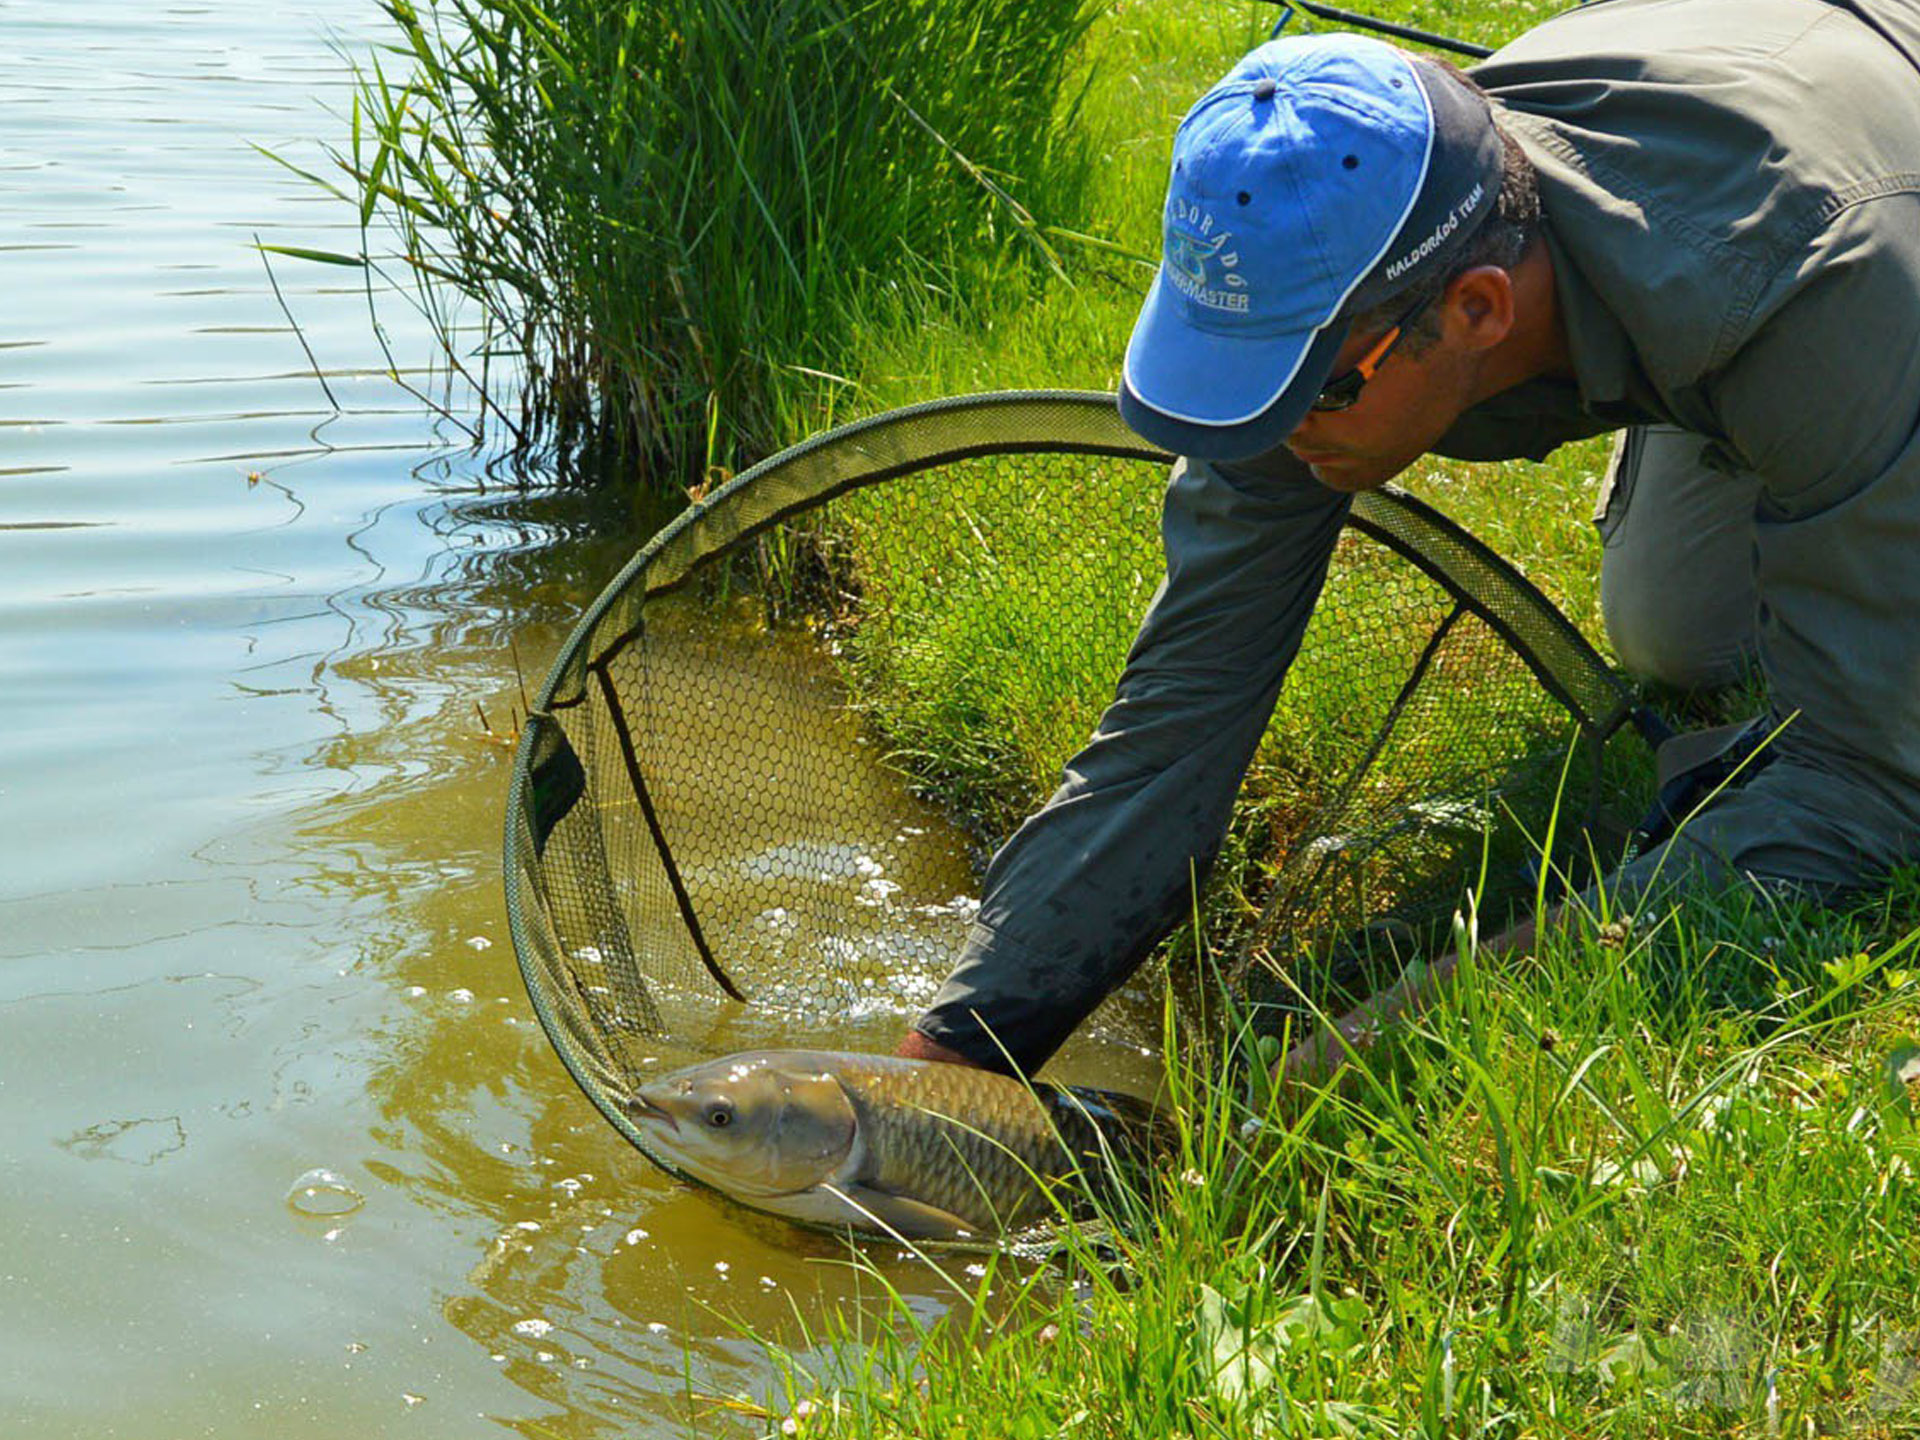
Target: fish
(882, 1145)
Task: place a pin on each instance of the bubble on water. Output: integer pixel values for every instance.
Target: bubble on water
(479, 942)
(533, 1327)
(324, 1193)
(462, 996)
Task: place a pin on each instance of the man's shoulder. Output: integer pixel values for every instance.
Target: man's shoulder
(1689, 150)
(1734, 117)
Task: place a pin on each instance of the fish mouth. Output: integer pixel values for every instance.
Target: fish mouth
(641, 1108)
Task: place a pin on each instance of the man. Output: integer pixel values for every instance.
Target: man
(1695, 219)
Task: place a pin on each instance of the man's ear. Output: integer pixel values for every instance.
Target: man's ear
(1479, 307)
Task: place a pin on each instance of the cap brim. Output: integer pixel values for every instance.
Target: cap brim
(1220, 397)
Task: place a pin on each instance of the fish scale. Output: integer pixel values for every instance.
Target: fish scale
(976, 1144)
(887, 1145)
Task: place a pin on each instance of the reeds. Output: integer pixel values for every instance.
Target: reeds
(671, 217)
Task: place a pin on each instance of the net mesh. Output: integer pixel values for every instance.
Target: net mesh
(765, 772)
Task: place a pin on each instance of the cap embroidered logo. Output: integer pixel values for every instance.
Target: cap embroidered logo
(1191, 242)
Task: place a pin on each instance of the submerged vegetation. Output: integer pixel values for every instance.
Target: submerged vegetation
(671, 218)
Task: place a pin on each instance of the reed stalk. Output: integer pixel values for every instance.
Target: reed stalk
(672, 218)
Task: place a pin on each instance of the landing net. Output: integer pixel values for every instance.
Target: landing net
(758, 788)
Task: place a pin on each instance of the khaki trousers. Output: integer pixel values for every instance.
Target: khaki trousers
(1677, 565)
(1679, 597)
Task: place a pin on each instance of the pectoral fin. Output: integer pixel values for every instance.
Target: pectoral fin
(912, 1219)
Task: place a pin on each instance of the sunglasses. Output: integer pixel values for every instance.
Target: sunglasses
(1341, 391)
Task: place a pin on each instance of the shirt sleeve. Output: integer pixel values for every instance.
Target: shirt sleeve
(1088, 885)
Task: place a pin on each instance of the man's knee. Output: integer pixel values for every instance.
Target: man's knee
(1672, 644)
(1677, 586)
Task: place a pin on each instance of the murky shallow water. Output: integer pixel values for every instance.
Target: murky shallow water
(250, 914)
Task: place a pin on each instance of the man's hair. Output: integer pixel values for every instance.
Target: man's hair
(1505, 235)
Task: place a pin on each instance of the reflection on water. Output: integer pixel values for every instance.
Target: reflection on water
(822, 889)
(250, 916)
(583, 1254)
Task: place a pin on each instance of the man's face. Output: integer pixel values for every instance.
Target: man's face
(1411, 401)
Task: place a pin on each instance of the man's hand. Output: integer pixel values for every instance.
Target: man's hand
(918, 1047)
(1323, 1053)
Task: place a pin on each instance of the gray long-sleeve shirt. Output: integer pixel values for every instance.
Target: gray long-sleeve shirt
(1731, 191)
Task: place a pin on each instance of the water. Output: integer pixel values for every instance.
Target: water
(250, 914)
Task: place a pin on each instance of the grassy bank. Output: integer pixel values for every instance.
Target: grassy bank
(1640, 1184)
(1648, 1180)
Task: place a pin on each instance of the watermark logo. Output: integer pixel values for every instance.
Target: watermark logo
(1718, 1360)
(1896, 1380)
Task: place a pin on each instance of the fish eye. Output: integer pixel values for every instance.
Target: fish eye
(720, 1116)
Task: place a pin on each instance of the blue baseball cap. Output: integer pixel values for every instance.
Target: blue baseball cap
(1321, 176)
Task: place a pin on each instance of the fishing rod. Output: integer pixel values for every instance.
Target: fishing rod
(1383, 27)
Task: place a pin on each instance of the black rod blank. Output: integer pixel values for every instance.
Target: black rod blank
(1385, 27)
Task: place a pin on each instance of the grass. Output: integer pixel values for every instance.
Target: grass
(1585, 1196)
(1651, 1179)
(667, 221)
(985, 675)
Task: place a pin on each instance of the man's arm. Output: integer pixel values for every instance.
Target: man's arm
(1322, 1053)
(1086, 888)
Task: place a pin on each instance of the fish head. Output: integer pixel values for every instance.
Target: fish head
(755, 1125)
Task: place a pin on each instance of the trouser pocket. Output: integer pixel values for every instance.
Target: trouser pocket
(1677, 585)
(1616, 486)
